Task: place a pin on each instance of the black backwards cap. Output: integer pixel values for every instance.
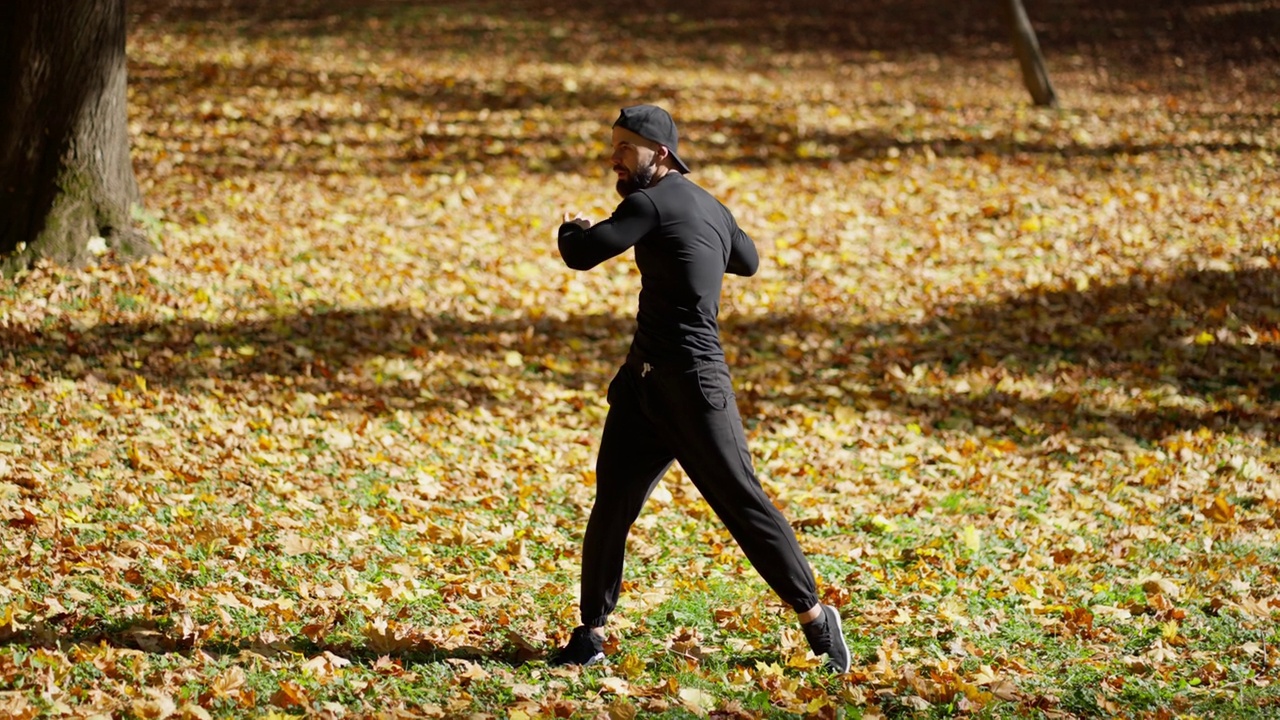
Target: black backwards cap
(653, 123)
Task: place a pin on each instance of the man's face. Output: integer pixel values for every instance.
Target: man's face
(634, 161)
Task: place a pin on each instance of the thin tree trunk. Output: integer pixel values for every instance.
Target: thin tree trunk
(1027, 48)
(65, 172)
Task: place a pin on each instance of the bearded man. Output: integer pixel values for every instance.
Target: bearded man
(672, 399)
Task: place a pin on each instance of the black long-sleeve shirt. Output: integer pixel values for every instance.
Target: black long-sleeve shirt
(685, 242)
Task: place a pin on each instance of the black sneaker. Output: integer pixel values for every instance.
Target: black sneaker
(826, 636)
(584, 648)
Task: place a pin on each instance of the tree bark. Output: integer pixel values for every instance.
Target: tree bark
(1027, 48)
(65, 171)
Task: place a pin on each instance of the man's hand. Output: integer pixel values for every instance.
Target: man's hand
(578, 220)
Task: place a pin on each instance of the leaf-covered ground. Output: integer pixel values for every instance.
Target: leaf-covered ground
(1011, 372)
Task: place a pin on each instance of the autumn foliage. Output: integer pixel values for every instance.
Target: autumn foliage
(1011, 372)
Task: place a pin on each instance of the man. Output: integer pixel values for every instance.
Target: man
(672, 399)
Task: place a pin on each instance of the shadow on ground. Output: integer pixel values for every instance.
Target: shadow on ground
(1210, 337)
(1132, 34)
(161, 636)
(499, 146)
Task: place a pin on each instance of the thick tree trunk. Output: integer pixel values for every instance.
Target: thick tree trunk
(65, 173)
(1027, 48)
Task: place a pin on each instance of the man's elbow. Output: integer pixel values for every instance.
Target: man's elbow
(578, 264)
(745, 269)
(574, 260)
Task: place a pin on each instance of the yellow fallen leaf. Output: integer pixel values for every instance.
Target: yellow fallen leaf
(615, 685)
(631, 666)
(1161, 586)
(1220, 510)
(557, 365)
(1115, 613)
(883, 524)
(697, 700)
(228, 682)
(159, 705)
(192, 711)
(803, 660)
(294, 545)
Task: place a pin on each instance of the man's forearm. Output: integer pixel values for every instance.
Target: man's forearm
(573, 247)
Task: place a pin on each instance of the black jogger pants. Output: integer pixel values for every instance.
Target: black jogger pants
(658, 415)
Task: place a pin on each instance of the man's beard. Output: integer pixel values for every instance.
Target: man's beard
(637, 180)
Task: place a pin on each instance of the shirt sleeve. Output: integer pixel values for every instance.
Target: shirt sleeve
(743, 258)
(632, 220)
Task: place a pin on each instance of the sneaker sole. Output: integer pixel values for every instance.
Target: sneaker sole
(597, 659)
(848, 661)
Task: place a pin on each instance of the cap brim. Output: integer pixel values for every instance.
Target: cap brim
(684, 169)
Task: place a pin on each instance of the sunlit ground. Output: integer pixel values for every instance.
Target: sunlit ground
(1010, 371)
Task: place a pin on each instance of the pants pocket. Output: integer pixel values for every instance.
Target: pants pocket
(617, 378)
(714, 384)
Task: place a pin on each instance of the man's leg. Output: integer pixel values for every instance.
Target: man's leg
(632, 460)
(713, 452)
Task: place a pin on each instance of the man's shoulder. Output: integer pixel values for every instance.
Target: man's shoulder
(638, 201)
(678, 185)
